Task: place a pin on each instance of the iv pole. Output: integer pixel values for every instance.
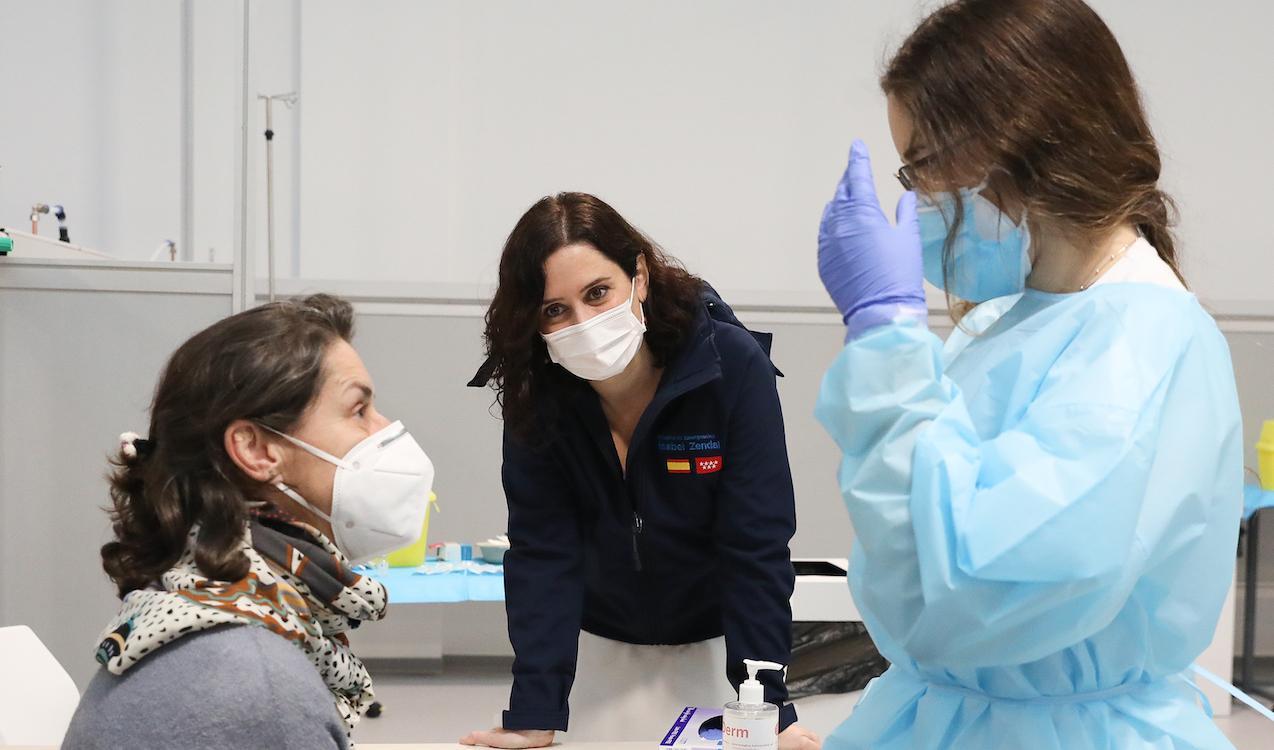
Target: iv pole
(288, 100)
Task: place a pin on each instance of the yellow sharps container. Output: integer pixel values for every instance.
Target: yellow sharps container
(1265, 455)
(414, 555)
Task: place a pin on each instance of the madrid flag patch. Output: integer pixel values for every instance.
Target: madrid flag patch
(708, 464)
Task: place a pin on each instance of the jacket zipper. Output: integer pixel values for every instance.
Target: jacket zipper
(637, 528)
(638, 523)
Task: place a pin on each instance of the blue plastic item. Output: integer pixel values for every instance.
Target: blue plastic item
(1046, 516)
(1255, 498)
(406, 586)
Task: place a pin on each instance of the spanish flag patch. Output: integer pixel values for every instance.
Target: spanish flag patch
(678, 466)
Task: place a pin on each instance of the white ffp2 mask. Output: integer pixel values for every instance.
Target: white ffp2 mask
(602, 346)
(379, 494)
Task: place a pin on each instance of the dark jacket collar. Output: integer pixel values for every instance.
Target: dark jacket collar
(698, 360)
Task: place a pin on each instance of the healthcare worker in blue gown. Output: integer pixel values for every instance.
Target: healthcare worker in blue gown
(1046, 508)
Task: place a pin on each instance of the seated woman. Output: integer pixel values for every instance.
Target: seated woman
(235, 528)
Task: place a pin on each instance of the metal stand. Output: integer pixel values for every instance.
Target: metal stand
(288, 100)
(1247, 677)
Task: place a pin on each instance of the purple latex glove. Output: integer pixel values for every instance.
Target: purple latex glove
(872, 269)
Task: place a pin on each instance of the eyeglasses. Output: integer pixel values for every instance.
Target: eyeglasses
(906, 174)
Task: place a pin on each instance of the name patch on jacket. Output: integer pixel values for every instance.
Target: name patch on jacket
(707, 457)
(688, 443)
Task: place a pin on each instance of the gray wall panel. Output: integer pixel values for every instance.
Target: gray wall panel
(78, 368)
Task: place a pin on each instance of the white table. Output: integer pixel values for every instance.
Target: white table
(415, 631)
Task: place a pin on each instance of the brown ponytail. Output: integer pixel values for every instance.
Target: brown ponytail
(1155, 213)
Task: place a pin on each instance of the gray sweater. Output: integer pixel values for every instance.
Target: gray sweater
(238, 686)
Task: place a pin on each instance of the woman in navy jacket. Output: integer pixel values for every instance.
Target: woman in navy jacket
(646, 473)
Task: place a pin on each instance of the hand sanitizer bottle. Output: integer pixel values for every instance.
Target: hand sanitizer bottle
(750, 723)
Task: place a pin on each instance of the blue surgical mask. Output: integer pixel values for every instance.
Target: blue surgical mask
(989, 256)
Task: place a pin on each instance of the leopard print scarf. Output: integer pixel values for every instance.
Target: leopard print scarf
(298, 586)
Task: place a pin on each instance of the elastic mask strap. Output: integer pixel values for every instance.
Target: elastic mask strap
(316, 452)
(296, 496)
(978, 189)
(632, 295)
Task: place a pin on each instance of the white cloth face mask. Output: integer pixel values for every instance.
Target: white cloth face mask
(379, 494)
(602, 346)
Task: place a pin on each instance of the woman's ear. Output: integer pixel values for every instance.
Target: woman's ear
(253, 450)
(642, 279)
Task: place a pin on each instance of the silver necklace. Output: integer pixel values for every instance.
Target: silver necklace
(1108, 262)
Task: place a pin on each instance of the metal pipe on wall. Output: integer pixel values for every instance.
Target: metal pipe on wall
(244, 274)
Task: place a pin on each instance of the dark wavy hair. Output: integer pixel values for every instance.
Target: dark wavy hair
(521, 370)
(265, 365)
(1039, 94)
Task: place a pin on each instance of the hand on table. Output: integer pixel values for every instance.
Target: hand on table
(507, 738)
(797, 737)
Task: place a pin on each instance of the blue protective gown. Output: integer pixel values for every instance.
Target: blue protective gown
(1046, 519)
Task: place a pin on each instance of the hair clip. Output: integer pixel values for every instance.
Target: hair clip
(133, 445)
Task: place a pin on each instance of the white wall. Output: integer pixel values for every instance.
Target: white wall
(90, 119)
(717, 126)
(426, 128)
(1203, 69)
(217, 126)
(216, 45)
(93, 120)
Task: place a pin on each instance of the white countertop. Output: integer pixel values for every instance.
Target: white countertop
(823, 598)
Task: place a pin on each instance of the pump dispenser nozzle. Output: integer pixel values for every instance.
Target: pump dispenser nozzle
(750, 723)
(752, 691)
